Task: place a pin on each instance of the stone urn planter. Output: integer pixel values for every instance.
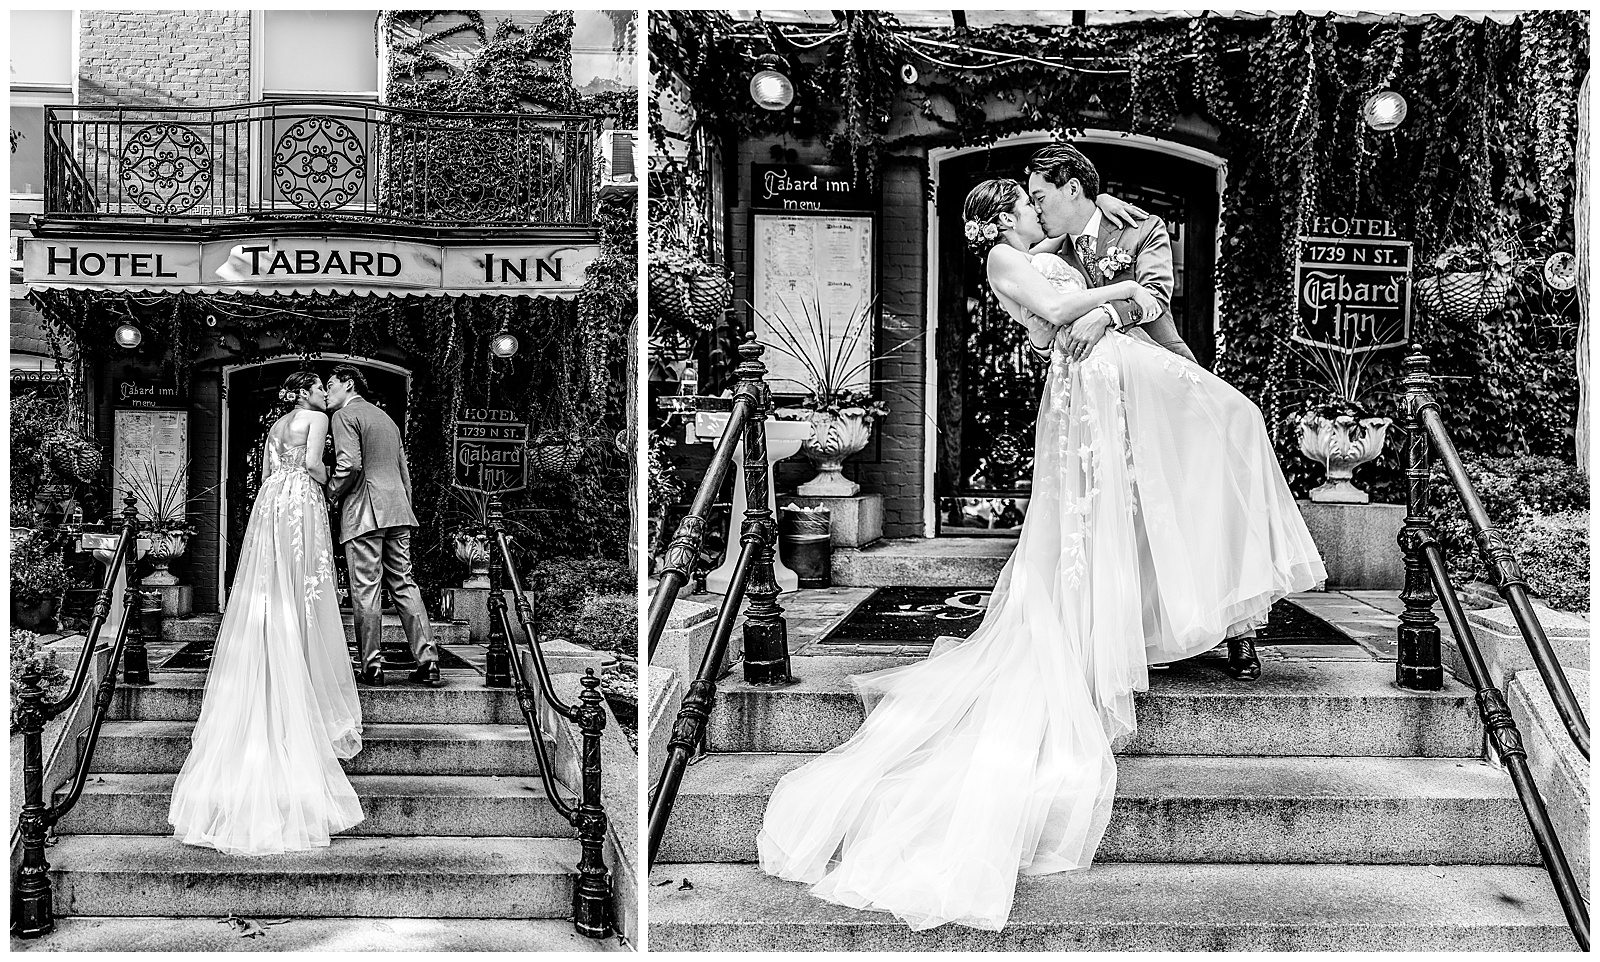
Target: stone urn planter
(165, 548)
(834, 438)
(472, 550)
(1341, 445)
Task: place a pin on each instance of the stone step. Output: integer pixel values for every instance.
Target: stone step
(176, 696)
(146, 747)
(1298, 707)
(1129, 907)
(1201, 809)
(204, 627)
(432, 805)
(936, 562)
(137, 875)
(168, 934)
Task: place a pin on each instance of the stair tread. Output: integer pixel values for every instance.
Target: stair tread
(415, 855)
(366, 786)
(453, 731)
(197, 680)
(172, 934)
(1145, 894)
(1191, 776)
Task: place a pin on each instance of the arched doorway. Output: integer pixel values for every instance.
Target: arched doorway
(249, 393)
(983, 382)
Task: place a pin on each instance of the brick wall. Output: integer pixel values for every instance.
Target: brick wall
(164, 57)
(892, 465)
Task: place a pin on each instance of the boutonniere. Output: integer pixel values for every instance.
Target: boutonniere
(1115, 259)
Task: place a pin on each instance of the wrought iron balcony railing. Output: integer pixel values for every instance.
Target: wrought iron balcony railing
(296, 160)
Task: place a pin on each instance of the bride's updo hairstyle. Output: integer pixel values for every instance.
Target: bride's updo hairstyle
(988, 213)
(294, 384)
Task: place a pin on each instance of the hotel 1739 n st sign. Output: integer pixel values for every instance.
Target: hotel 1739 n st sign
(490, 451)
(1352, 284)
(306, 264)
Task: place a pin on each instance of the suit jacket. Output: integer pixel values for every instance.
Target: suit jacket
(370, 473)
(1151, 248)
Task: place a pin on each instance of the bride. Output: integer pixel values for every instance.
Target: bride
(1160, 524)
(280, 708)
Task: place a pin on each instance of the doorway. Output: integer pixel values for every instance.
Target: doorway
(984, 379)
(249, 395)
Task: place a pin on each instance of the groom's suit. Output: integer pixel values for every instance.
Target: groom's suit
(375, 522)
(1151, 248)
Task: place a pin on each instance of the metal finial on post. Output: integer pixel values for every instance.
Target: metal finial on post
(591, 896)
(32, 900)
(135, 660)
(766, 635)
(497, 661)
(1418, 663)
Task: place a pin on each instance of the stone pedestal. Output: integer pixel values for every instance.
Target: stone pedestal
(177, 601)
(471, 605)
(854, 521)
(1359, 543)
(687, 634)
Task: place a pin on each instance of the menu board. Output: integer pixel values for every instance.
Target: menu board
(145, 440)
(811, 287)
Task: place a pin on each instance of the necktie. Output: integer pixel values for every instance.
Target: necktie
(1085, 245)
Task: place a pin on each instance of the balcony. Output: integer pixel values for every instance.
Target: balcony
(316, 165)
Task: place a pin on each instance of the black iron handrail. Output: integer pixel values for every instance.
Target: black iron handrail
(591, 895)
(1419, 628)
(32, 896)
(766, 639)
(323, 160)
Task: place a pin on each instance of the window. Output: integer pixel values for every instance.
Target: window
(319, 53)
(41, 74)
(603, 50)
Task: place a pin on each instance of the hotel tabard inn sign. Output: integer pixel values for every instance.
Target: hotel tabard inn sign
(303, 265)
(1352, 286)
(490, 451)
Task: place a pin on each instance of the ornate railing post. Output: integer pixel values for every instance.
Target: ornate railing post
(497, 661)
(32, 902)
(591, 896)
(1418, 664)
(136, 660)
(766, 635)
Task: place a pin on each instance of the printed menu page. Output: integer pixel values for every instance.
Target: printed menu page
(812, 291)
(146, 440)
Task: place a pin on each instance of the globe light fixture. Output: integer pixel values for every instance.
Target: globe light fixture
(908, 73)
(770, 88)
(128, 336)
(504, 344)
(1384, 110)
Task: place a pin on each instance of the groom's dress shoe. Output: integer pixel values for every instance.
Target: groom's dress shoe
(371, 676)
(1243, 662)
(428, 675)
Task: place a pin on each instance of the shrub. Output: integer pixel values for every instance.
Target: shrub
(37, 572)
(1554, 551)
(1513, 491)
(578, 599)
(25, 650)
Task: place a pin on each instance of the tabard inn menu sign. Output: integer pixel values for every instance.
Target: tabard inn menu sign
(803, 187)
(1352, 282)
(490, 451)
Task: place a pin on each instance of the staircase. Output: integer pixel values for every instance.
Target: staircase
(1320, 808)
(460, 850)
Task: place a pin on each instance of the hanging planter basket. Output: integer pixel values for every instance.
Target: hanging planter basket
(1467, 297)
(555, 455)
(688, 293)
(73, 456)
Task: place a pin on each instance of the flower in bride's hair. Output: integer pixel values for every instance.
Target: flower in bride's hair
(973, 230)
(990, 232)
(284, 394)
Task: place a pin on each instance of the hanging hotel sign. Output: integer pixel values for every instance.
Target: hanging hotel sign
(490, 451)
(804, 187)
(308, 265)
(1352, 283)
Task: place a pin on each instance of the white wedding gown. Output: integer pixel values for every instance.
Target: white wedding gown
(1159, 524)
(280, 708)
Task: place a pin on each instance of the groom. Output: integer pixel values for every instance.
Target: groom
(1064, 184)
(375, 522)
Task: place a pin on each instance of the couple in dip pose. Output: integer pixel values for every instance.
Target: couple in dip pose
(1159, 525)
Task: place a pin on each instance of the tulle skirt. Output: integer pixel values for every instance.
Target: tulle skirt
(280, 708)
(1159, 523)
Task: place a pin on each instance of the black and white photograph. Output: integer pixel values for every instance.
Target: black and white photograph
(1117, 480)
(324, 604)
